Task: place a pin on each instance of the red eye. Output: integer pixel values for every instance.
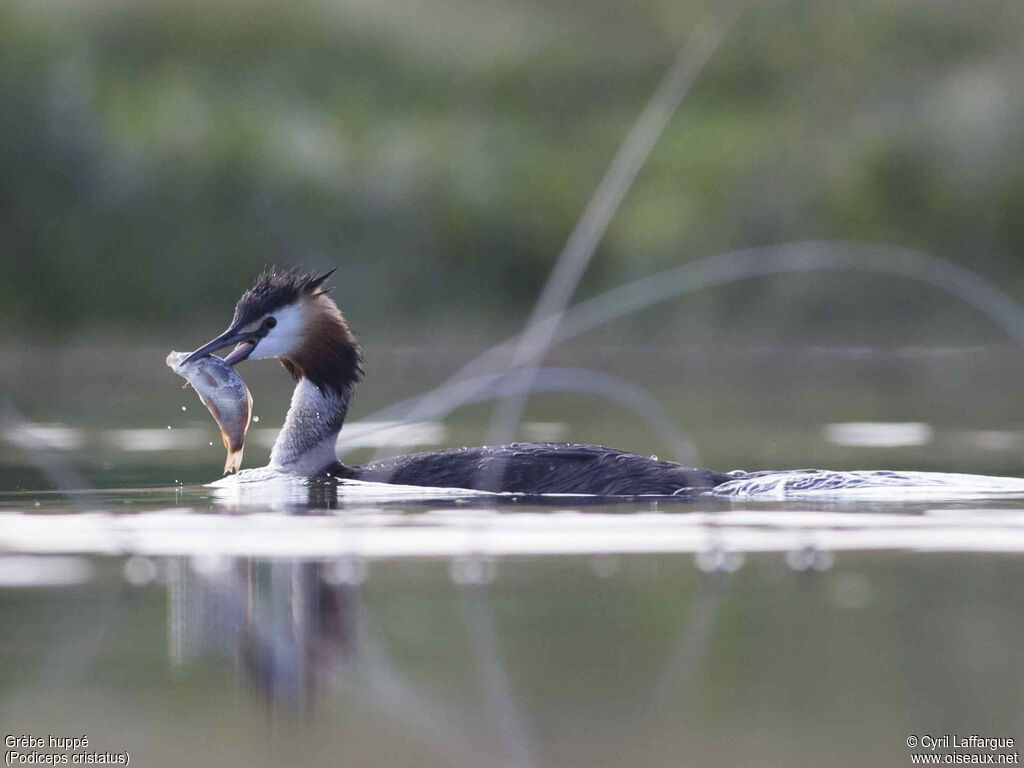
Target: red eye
(269, 323)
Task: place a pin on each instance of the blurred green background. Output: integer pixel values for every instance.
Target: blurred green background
(154, 156)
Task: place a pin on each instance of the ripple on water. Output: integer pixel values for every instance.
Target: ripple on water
(881, 485)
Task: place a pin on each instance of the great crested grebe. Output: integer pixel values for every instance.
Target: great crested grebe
(289, 316)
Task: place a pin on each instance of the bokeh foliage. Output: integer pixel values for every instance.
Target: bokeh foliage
(154, 155)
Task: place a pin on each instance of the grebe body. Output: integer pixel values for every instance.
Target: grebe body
(539, 468)
(288, 316)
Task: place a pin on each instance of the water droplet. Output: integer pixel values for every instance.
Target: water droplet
(733, 561)
(211, 442)
(184, 408)
(717, 559)
(255, 418)
(808, 558)
(824, 561)
(139, 571)
(798, 560)
(709, 560)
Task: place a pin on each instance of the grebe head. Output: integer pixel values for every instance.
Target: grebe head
(288, 315)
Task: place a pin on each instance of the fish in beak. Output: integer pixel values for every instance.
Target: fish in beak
(224, 394)
(245, 342)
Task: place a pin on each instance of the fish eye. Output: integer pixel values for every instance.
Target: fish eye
(269, 323)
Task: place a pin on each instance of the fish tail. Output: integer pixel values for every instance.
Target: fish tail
(233, 462)
(234, 449)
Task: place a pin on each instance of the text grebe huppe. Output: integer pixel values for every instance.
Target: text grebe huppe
(289, 316)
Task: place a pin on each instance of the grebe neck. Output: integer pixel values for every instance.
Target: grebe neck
(326, 367)
(306, 443)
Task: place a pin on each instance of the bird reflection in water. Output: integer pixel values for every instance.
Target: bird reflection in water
(290, 624)
(296, 627)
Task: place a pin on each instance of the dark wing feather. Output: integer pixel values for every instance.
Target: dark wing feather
(538, 468)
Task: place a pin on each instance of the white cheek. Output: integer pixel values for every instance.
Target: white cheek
(284, 338)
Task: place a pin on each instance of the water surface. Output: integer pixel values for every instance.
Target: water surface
(312, 624)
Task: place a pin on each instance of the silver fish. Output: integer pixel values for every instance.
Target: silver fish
(225, 395)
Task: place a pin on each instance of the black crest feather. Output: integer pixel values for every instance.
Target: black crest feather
(274, 289)
(329, 356)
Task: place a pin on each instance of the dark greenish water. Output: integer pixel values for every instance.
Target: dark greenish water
(293, 624)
